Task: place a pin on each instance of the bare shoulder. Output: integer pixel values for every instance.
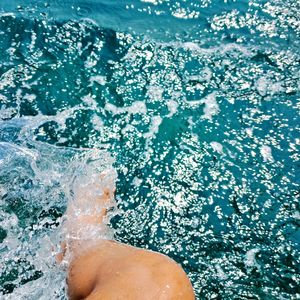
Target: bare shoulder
(110, 270)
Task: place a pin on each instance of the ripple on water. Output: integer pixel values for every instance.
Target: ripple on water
(204, 135)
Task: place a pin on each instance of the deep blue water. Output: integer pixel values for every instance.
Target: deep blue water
(198, 104)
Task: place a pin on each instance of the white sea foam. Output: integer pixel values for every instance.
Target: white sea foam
(204, 76)
(137, 181)
(266, 153)
(182, 13)
(154, 2)
(30, 97)
(217, 147)
(155, 92)
(90, 62)
(90, 100)
(7, 79)
(191, 46)
(172, 106)
(97, 122)
(250, 260)
(211, 107)
(154, 127)
(138, 107)
(128, 128)
(249, 131)
(3, 99)
(220, 273)
(7, 14)
(7, 113)
(98, 79)
(179, 200)
(265, 86)
(33, 41)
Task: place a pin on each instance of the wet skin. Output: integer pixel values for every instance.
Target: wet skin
(111, 270)
(105, 269)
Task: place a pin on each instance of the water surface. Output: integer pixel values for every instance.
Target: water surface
(198, 104)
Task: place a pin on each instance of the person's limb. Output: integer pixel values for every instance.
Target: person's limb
(112, 270)
(104, 269)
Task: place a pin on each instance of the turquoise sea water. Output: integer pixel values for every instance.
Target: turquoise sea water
(198, 104)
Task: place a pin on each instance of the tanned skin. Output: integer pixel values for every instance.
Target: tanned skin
(108, 270)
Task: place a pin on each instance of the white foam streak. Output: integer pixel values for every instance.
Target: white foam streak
(266, 153)
(154, 127)
(138, 107)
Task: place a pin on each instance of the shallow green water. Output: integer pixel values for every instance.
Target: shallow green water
(197, 102)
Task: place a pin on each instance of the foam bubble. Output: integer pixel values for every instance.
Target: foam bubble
(138, 107)
(90, 100)
(33, 41)
(249, 131)
(204, 76)
(154, 2)
(137, 181)
(179, 200)
(266, 153)
(7, 113)
(217, 147)
(98, 79)
(182, 13)
(7, 79)
(191, 46)
(265, 86)
(172, 106)
(250, 260)
(220, 273)
(90, 63)
(30, 97)
(211, 107)
(97, 122)
(154, 127)
(155, 92)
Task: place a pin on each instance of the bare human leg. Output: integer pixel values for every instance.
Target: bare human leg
(105, 269)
